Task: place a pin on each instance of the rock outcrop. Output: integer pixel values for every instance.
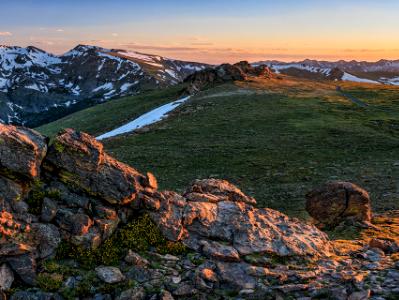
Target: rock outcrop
(224, 73)
(338, 201)
(73, 193)
(217, 219)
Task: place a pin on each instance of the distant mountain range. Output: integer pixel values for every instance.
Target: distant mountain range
(37, 87)
(383, 71)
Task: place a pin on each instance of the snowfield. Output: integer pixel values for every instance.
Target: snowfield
(349, 77)
(148, 118)
(390, 81)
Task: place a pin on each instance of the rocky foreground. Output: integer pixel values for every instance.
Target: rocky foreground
(76, 223)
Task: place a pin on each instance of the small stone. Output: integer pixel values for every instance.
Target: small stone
(209, 275)
(219, 251)
(176, 279)
(165, 295)
(49, 210)
(171, 257)
(6, 277)
(362, 295)
(135, 259)
(246, 292)
(185, 290)
(132, 294)
(109, 274)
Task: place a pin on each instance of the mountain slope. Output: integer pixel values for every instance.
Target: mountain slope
(37, 87)
(276, 137)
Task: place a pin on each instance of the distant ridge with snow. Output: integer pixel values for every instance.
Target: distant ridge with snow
(380, 72)
(37, 87)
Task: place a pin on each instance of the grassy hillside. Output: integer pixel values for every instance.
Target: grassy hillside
(105, 117)
(275, 139)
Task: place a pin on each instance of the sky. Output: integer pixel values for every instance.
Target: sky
(212, 31)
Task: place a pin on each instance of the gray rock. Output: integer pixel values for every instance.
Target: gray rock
(219, 251)
(141, 274)
(135, 259)
(32, 295)
(25, 267)
(235, 275)
(185, 290)
(132, 294)
(362, 295)
(109, 274)
(10, 193)
(6, 277)
(46, 237)
(49, 210)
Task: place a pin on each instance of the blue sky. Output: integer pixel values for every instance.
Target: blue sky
(212, 31)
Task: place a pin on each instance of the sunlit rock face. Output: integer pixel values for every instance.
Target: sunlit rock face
(214, 216)
(225, 73)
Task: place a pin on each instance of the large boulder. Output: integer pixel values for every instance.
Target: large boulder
(338, 201)
(224, 73)
(21, 152)
(79, 161)
(217, 219)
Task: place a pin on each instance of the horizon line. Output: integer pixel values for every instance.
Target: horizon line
(305, 58)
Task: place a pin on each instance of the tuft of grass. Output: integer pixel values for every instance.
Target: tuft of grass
(49, 282)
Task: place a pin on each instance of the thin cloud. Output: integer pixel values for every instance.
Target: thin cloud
(5, 33)
(115, 34)
(60, 30)
(363, 50)
(202, 44)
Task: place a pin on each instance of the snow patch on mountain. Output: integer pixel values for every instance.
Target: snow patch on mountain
(146, 119)
(325, 71)
(350, 77)
(390, 81)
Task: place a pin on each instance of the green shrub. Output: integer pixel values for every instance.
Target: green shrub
(37, 194)
(49, 282)
(139, 235)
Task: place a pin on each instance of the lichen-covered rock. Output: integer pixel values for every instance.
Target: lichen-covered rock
(239, 227)
(46, 237)
(21, 151)
(338, 201)
(109, 274)
(79, 161)
(6, 277)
